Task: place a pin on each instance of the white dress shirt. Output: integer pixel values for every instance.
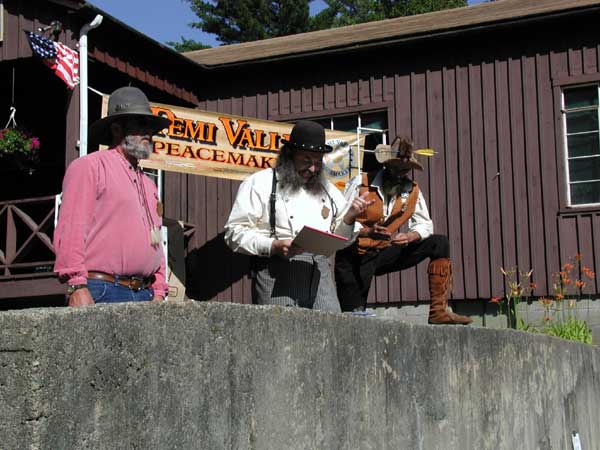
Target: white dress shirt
(419, 221)
(248, 229)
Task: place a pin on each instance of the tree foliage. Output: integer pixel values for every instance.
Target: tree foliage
(187, 45)
(340, 13)
(234, 21)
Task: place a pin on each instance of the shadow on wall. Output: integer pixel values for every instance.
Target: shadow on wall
(212, 268)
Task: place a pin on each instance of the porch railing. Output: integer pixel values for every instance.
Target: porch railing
(26, 252)
(26, 226)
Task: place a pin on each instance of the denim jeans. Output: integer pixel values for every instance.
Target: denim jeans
(106, 292)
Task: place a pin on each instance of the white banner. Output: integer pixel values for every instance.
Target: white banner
(228, 146)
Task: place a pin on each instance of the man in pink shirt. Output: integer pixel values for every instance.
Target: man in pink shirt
(107, 240)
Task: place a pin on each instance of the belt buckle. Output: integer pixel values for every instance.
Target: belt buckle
(136, 281)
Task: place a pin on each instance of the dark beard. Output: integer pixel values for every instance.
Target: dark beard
(292, 181)
(395, 186)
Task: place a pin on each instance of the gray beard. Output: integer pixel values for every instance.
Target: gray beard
(135, 149)
(291, 180)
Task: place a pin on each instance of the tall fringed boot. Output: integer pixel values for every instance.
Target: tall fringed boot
(440, 280)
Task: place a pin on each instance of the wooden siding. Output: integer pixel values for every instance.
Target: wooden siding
(170, 82)
(50, 110)
(105, 45)
(488, 101)
(19, 16)
(491, 113)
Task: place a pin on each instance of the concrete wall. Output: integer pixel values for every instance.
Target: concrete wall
(224, 376)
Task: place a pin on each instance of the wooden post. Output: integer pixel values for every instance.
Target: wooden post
(72, 128)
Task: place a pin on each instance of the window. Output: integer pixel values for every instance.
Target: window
(582, 143)
(373, 124)
(374, 120)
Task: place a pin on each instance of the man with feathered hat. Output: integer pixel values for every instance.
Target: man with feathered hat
(384, 245)
(107, 240)
(270, 209)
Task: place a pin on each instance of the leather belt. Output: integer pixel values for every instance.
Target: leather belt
(135, 283)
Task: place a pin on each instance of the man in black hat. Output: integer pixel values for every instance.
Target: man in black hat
(384, 245)
(107, 240)
(301, 195)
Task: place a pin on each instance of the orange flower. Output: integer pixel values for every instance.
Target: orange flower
(588, 272)
(559, 296)
(566, 280)
(562, 274)
(547, 318)
(568, 267)
(533, 286)
(578, 256)
(580, 284)
(497, 299)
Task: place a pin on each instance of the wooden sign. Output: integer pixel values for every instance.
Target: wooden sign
(228, 146)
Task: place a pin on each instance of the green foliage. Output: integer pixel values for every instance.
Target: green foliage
(349, 12)
(559, 311)
(524, 326)
(571, 329)
(13, 140)
(519, 286)
(187, 45)
(235, 21)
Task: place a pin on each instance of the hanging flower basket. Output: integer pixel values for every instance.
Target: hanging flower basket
(19, 149)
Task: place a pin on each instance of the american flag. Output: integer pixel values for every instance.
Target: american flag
(60, 58)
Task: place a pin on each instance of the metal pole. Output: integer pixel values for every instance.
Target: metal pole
(83, 84)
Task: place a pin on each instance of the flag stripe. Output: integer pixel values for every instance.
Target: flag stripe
(63, 60)
(67, 64)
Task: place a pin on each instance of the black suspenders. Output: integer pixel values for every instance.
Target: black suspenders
(272, 201)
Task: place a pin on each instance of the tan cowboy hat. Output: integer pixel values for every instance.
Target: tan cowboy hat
(400, 154)
(125, 102)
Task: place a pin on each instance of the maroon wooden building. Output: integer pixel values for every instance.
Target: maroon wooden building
(505, 92)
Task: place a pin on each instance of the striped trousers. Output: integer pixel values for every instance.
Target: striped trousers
(303, 281)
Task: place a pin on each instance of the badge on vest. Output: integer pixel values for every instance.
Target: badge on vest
(325, 212)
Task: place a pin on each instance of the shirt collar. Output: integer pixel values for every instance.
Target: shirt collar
(378, 180)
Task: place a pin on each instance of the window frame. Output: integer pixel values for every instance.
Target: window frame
(358, 114)
(385, 108)
(360, 129)
(317, 114)
(568, 201)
